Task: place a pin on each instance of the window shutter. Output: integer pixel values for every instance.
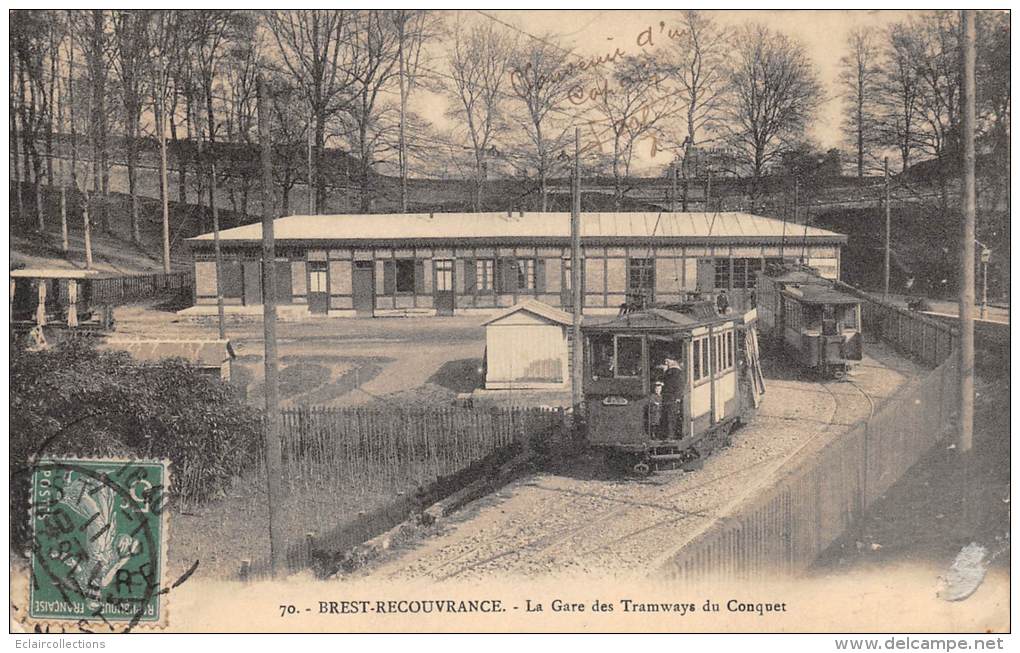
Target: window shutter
(419, 277)
(540, 275)
(389, 278)
(470, 283)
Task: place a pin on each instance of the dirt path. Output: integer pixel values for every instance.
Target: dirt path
(584, 521)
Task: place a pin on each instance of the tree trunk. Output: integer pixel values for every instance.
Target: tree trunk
(366, 195)
(860, 132)
(317, 155)
(132, 162)
(16, 142)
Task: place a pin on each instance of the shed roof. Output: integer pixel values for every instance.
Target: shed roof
(536, 307)
(203, 353)
(53, 273)
(687, 226)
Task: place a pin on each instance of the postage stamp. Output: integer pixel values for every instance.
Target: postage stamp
(99, 533)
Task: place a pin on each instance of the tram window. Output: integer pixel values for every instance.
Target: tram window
(733, 353)
(628, 357)
(602, 357)
(696, 359)
(704, 358)
(849, 317)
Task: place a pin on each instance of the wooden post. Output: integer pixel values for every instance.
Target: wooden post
(274, 454)
(72, 303)
(577, 375)
(40, 307)
(88, 230)
(967, 242)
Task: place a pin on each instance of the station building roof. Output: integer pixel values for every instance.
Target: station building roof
(549, 228)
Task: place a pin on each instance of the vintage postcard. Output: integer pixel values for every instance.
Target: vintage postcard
(345, 320)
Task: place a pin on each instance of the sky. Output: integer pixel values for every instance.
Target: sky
(822, 33)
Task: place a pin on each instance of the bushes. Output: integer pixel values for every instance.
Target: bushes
(72, 400)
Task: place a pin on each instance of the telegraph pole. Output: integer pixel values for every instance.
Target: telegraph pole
(577, 373)
(164, 187)
(888, 231)
(274, 454)
(967, 245)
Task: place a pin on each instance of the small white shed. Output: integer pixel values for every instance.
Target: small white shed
(526, 346)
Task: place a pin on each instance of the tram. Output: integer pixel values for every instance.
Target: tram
(818, 325)
(660, 382)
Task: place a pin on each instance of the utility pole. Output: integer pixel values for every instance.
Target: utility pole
(274, 454)
(164, 187)
(967, 249)
(888, 231)
(577, 373)
(401, 24)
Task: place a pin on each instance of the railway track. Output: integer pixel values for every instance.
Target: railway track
(600, 512)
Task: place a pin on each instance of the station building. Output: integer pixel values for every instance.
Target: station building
(455, 263)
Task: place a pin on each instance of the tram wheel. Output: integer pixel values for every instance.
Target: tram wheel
(642, 469)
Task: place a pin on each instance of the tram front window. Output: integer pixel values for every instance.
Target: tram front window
(628, 357)
(602, 357)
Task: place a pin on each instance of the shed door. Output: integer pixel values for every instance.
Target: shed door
(318, 287)
(284, 283)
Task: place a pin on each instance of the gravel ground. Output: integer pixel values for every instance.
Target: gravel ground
(584, 521)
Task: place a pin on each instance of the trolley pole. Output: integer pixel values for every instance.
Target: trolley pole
(888, 231)
(274, 454)
(577, 373)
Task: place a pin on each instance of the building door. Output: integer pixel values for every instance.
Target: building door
(444, 300)
(284, 283)
(252, 282)
(318, 287)
(363, 285)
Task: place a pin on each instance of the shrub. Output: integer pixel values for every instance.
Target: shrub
(74, 401)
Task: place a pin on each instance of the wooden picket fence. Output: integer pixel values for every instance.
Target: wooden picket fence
(114, 291)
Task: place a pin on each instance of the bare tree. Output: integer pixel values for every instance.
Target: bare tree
(696, 62)
(311, 46)
(479, 63)
(542, 81)
(414, 29)
(131, 64)
(859, 77)
(898, 95)
(774, 91)
(30, 41)
(372, 64)
(633, 106)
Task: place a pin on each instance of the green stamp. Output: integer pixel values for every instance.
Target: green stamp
(99, 528)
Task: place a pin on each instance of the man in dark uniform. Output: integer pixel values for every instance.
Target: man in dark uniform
(672, 396)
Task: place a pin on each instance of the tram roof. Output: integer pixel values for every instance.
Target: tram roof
(657, 319)
(820, 294)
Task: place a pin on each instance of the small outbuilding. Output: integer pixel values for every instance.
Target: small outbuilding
(527, 347)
